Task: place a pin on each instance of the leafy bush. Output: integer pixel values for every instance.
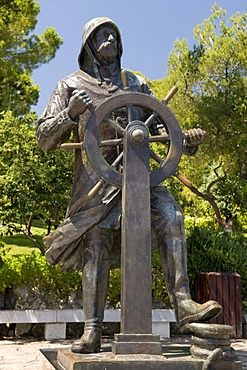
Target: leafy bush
(33, 269)
(208, 250)
(217, 251)
(159, 291)
(114, 291)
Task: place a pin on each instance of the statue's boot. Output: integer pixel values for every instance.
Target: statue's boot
(190, 311)
(94, 284)
(89, 343)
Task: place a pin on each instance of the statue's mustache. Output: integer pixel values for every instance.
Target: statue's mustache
(107, 44)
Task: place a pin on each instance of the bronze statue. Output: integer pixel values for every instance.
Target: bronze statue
(89, 238)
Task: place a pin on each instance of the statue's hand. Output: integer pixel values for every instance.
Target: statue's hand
(78, 103)
(195, 137)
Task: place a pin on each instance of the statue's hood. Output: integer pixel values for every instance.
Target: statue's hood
(89, 28)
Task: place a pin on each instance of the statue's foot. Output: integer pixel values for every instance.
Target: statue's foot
(88, 343)
(190, 311)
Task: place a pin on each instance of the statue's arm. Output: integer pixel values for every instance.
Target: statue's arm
(55, 124)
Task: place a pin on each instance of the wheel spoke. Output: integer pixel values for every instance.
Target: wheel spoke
(150, 120)
(155, 156)
(114, 125)
(118, 160)
(111, 142)
(130, 113)
(159, 138)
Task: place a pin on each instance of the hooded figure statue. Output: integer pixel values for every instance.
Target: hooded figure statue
(55, 127)
(87, 57)
(89, 238)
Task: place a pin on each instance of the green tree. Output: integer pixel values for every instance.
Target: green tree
(31, 182)
(211, 77)
(21, 51)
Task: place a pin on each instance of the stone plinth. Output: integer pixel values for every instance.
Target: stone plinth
(134, 344)
(106, 360)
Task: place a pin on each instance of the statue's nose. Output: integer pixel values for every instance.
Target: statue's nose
(110, 37)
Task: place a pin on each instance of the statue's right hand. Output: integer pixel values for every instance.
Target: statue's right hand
(78, 103)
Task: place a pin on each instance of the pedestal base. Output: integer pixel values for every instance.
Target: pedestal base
(106, 360)
(135, 344)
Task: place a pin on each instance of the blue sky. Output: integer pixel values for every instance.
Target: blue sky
(148, 28)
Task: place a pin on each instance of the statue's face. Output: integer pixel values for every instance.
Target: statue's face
(106, 44)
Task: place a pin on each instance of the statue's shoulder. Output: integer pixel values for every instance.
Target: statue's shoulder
(73, 79)
(137, 82)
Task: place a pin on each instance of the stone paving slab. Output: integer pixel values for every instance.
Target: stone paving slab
(28, 354)
(240, 347)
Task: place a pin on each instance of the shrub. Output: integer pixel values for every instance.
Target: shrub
(114, 291)
(33, 269)
(159, 291)
(217, 251)
(208, 251)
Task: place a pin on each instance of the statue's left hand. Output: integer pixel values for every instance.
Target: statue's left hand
(195, 137)
(78, 103)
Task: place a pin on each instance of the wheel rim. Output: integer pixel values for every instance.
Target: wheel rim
(92, 141)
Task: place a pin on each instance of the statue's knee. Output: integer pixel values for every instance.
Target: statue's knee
(97, 245)
(168, 221)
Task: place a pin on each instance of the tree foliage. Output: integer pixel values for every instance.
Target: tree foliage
(211, 77)
(31, 182)
(21, 51)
